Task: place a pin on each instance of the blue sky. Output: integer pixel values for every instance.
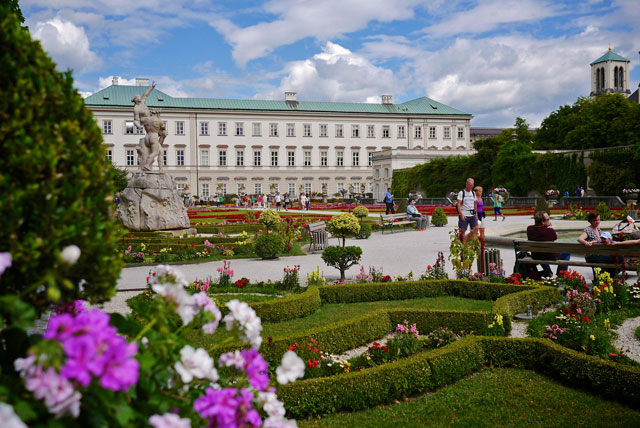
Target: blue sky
(496, 59)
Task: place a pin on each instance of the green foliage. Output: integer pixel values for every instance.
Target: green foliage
(462, 254)
(290, 307)
(269, 218)
(636, 333)
(513, 167)
(514, 303)
(269, 246)
(11, 7)
(361, 212)
(365, 231)
(611, 171)
(56, 186)
(439, 218)
(343, 225)
(603, 210)
(119, 178)
(402, 206)
(342, 258)
(565, 171)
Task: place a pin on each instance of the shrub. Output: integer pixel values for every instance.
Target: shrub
(56, 187)
(269, 246)
(343, 225)
(269, 218)
(541, 205)
(361, 212)
(342, 258)
(365, 231)
(603, 210)
(439, 218)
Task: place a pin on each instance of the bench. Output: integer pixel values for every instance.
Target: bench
(319, 236)
(574, 249)
(389, 220)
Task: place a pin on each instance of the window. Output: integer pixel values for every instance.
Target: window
(386, 172)
(291, 158)
(355, 158)
(291, 129)
(273, 129)
(307, 189)
(276, 187)
(180, 187)
(460, 132)
(323, 129)
(274, 158)
(307, 158)
(239, 157)
(239, 128)
(340, 158)
(385, 131)
(164, 157)
(339, 131)
(257, 188)
(418, 132)
(128, 127)
(401, 131)
(222, 128)
(223, 188)
(180, 157)
(370, 158)
(323, 158)
(376, 173)
(131, 157)
(257, 129)
(292, 189)
(222, 157)
(179, 128)
(371, 131)
(355, 131)
(205, 190)
(110, 155)
(306, 129)
(107, 127)
(204, 128)
(356, 187)
(447, 132)
(257, 158)
(432, 132)
(204, 157)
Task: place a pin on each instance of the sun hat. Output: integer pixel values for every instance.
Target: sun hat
(605, 235)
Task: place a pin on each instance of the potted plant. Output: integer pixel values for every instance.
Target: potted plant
(439, 218)
(630, 192)
(552, 194)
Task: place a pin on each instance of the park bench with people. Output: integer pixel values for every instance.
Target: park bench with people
(319, 236)
(625, 253)
(390, 220)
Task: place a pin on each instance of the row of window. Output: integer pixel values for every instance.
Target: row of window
(205, 188)
(323, 131)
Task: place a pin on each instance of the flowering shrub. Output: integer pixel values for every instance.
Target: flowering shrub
(198, 284)
(316, 277)
(611, 293)
(319, 363)
(572, 280)
(553, 332)
(408, 277)
(226, 273)
(436, 271)
(343, 225)
(630, 190)
(515, 279)
(361, 212)
(404, 341)
(291, 280)
(496, 328)
(442, 336)
(377, 354)
(269, 219)
(242, 282)
(132, 256)
(385, 278)
(552, 193)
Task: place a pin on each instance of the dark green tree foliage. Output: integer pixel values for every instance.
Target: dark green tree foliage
(514, 162)
(56, 188)
(120, 178)
(566, 172)
(11, 7)
(612, 170)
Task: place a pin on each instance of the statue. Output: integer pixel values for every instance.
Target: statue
(149, 147)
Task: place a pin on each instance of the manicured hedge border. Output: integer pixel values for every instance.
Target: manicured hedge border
(512, 304)
(429, 370)
(290, 307)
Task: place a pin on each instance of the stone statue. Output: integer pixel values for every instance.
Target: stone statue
(149, 147)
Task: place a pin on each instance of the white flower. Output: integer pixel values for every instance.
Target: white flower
(291, 368)
(232, 359)
(70, 254)
(245, 318)
(178, 295)
(167, 274)
(169, 420)
(195, 363)
(271, 405)
(279, 423)
(203, 302)
(9, 418)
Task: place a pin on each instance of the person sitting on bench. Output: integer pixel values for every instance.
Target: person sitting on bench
(593, 235)
(541, 230)
(414, 215)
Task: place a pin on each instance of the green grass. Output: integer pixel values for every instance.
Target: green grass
(329, 314)
(492, 398)
(637, 333)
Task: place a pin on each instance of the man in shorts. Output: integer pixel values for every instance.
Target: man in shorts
(466, 206)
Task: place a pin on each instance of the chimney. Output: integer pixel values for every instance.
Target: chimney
(289, 96)
(141, 81)
(115, 80)
(387, 99)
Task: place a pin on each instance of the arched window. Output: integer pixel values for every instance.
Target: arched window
(615, 77)
(621, 77)
(597, 79)
(602, 78)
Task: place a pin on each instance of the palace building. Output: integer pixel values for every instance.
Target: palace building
(290, 146)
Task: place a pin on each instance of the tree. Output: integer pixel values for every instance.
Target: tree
(514, 162)
(120, 178)
(11, 6)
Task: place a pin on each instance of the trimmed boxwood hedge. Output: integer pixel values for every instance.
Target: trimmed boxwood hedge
(428, 320)
(512, 304)
(229, 228)
(287, 308)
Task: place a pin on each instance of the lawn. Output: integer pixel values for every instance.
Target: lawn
(492, 398)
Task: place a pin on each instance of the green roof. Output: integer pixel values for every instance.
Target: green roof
(120, 96)
(610, 56)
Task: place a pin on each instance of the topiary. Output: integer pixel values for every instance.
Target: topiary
(542, 205)
(56, 186)
(603, 210)
(365, 231)
(342, 258)
(361, 212)
(402, 206)
(269, 218)
(269, 246)
(343, 225)
(439, 218)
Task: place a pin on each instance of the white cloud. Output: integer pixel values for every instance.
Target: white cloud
(67, 44)
(335, 74)
(163, 83)
(299, 19)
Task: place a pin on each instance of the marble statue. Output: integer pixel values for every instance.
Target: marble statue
(149, 147)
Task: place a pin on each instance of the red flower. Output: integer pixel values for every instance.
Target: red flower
(291, 348)
(193, 245)
(384, 349)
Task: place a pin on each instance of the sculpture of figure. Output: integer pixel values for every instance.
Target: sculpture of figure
(149, 146)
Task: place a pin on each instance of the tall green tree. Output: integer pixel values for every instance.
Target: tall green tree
(514, 162)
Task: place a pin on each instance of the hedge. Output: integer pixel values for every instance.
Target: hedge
(229, 228)
(428, 320)
(512, 304)
(287, 308)
(429, 370)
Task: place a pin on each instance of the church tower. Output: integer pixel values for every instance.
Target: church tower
(610, 74)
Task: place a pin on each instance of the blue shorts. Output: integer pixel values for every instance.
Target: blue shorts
(468, 221)
(496, 211)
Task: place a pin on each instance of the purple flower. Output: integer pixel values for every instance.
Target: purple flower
(227, 408)
(5, 261)
(80, 351)
(256, 368)
(120, 370)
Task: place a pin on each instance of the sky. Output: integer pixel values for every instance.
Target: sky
(495, 59)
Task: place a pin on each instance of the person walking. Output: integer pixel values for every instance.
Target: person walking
(466, 207)
(287, 201)
(388, 200)
(278, 201)
(480, 211)
(497, 205)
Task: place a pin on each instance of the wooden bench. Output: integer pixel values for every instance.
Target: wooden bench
(389, 220)
(319, 236)
(575, 249)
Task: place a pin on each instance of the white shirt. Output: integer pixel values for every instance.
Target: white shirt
(468, 203)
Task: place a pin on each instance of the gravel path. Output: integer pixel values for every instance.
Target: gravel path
(626, 340)
(519, 329)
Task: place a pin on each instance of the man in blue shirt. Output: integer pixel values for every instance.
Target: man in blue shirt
(414, 215)
(388, 200)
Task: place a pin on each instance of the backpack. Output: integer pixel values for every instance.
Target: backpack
(500, 199)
